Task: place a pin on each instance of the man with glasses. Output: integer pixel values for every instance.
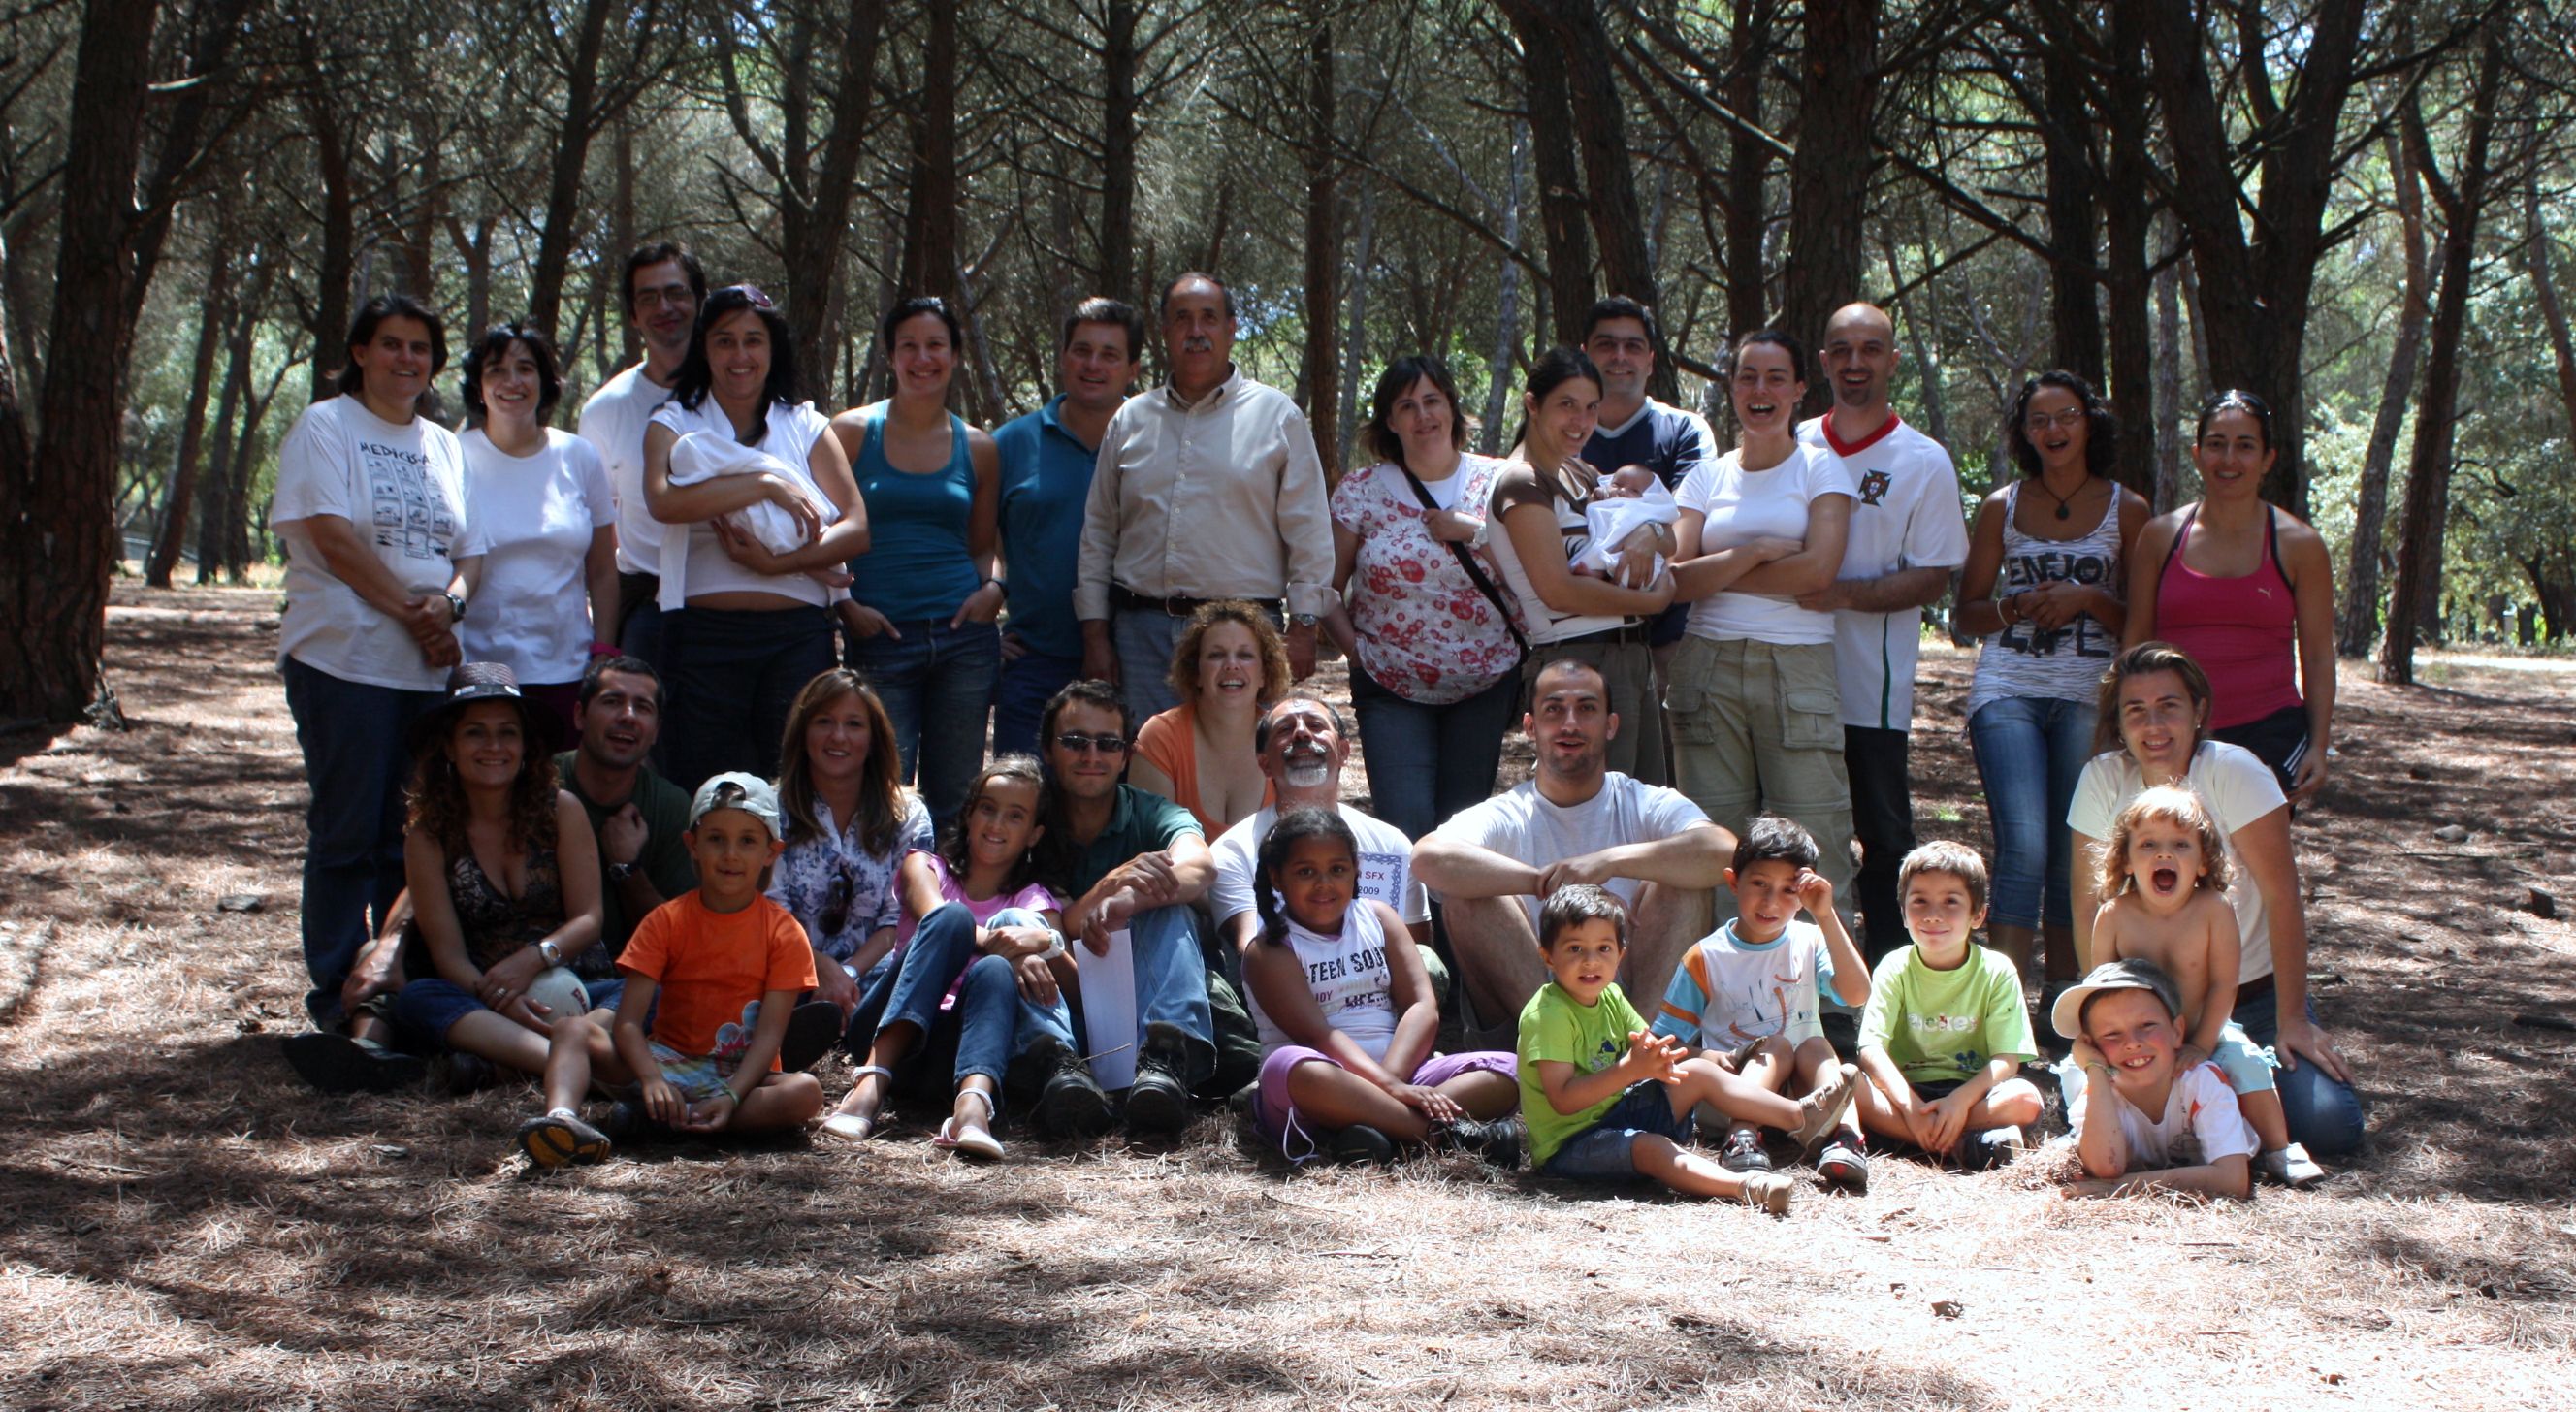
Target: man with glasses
(1133, 862)
(664, 287)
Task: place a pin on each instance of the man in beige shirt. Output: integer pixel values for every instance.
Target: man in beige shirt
(1208, 487)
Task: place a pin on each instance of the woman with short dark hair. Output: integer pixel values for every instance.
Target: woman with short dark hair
(751, 621)
(1432, 634)
(548, 596)
(371, 505)
(924, 599)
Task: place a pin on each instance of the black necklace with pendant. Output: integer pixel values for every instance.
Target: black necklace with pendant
(2064, 510)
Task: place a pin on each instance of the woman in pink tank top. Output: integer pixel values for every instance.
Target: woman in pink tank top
(2246, 588)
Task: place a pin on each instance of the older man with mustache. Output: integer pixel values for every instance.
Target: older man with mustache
(1206, 488)
(1303, 744)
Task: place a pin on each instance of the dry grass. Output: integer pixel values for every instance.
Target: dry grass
(188, 1227)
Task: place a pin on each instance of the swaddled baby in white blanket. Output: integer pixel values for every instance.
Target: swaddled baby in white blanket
(1626, 500)
(697, 457)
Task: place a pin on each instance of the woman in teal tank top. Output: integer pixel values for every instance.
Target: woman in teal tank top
(925, 595)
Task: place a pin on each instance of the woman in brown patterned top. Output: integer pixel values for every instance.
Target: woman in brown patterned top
(504, 881)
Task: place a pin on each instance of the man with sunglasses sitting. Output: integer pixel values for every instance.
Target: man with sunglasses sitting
(1132, 862)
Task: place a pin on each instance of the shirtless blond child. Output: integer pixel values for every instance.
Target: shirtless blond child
(2164, 871)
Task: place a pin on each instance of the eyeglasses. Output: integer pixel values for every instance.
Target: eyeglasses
(2067, 420)
(1073, 743)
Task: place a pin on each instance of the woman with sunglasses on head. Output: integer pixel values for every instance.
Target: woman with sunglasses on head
(924, 598)
(2246, 588)
(2042, 588)
(850, 821)
(740, 467)
(548, 597)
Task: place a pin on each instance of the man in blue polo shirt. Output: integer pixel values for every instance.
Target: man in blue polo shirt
(1637, 430)
(1047, 458)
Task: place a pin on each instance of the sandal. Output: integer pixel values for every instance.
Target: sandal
(979, 1144)
(850, 1127)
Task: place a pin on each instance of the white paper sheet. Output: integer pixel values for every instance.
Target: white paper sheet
(1109, 1010)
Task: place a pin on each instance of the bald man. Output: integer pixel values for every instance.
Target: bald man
(1907, 535)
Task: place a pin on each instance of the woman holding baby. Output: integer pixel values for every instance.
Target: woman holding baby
(1757, 723)
(751, 623)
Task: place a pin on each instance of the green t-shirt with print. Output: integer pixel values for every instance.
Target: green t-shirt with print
(1944, 1025)
(1556, 1026)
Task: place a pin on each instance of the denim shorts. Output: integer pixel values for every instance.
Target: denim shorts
(431, 1006)
(1604, 1152)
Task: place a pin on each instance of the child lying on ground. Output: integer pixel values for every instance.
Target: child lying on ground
(2141, 1117)
(1748, 993)
(2164, 869)
(1945, 1032)
(1606, 1099)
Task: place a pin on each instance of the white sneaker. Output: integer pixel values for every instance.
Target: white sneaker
(2291, 1166)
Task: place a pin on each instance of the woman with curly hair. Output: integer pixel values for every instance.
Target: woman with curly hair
(1229, 664)
(504, 877)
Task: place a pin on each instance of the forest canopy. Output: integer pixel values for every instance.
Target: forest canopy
(2362, 212)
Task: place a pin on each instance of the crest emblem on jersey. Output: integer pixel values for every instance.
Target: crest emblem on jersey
(1873, 486)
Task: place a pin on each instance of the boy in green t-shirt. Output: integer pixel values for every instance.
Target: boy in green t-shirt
(1945, 1032)
(1605, 1098)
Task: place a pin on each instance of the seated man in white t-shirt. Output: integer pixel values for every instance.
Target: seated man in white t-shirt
(1577, 822)
(2141, 1120)
(1303, 744)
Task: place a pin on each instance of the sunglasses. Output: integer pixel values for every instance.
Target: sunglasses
(1073, 743)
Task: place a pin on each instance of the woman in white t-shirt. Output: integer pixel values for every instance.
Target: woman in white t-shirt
(548, 526)
(1756, 711)
(380, 561)
(1539, 504)
(747, 626)
(2154, 712)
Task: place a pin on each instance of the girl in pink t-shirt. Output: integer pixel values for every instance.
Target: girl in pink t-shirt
(977, 935)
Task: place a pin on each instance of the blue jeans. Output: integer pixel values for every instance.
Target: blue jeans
(987, 1013)
(1425, 763)
(937, 682)
(1144, 640)
(2030, 752)
(356, 741)
(1171, 991)
(732, 673)
(2325, 1115)
(1027, 683)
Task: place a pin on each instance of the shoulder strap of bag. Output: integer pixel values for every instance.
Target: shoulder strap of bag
(1467, 561)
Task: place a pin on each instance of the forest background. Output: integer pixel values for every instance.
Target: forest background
(2360, 209)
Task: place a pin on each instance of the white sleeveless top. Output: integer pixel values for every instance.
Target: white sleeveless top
(1545, 624)
(1349, 977)
(701, 563)
(2029, 662)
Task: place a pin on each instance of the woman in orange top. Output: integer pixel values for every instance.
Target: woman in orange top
(1229, 665)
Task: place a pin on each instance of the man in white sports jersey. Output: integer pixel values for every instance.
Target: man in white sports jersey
(1907, 535)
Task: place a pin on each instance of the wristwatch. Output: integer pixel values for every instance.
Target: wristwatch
(1303, 620)
(620, 872)
(455, 606)
(554, 954)
(1055, 946)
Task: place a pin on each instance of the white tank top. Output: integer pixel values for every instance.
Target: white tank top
(1349, 978)
(1545, 624)
(2030, 662)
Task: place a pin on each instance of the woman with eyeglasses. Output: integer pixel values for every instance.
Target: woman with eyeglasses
(548, 599)
(2247, 589)
(2042, 588)
(850, 821)
(764, 514)
(924, 599)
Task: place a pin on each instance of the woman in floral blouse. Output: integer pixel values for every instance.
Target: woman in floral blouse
(1429, 628)
(850, 821)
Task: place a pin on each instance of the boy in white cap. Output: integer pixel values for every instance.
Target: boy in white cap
(2141, 1119)
(726, 965)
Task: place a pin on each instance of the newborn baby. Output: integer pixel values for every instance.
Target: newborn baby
(1623, 501)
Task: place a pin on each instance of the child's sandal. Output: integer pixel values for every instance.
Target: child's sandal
(970, 1142)
(851, 1127)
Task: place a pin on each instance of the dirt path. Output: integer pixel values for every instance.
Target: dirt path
(187, 1226)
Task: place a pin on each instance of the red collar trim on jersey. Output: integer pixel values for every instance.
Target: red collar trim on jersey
(1841, 447)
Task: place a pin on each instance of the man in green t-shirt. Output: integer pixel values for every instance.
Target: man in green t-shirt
(638, 815)
(1945, 1033)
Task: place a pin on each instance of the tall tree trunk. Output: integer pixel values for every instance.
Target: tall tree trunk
(2428, 470)
(17, 460)
(1914, 329)
(621, 232)
(1747, 159)
(1323, 252)
(2360, 626)
(2074, 204)
(2257, 277)
(214, 494)
(1507, 308)
(933, 258)
(1563, 213)
(1117, 263)
(580, 94)
(2124, 258)
(329, 322)
(57, 527)
(1355, 346)
(1829, 176)
(245, 473)
(2168, 439)
(181, 492)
